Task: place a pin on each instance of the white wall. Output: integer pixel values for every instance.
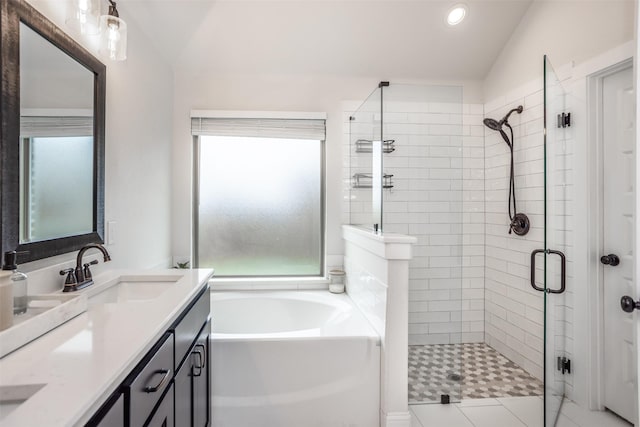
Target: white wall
(138, 139)
(566, 30)
(270, 92)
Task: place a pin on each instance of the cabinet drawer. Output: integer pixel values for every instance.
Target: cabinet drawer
(150, 380)
(163, 417)
(186, 331)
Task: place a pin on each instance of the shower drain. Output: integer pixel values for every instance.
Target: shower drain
(455, 377)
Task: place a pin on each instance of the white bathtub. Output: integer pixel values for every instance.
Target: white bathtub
(292, 359)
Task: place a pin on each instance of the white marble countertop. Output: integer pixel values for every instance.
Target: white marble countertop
(82, 362)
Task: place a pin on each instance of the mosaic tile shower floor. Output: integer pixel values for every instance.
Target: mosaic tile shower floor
(485, 373)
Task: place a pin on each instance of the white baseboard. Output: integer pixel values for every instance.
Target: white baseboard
(396, 419)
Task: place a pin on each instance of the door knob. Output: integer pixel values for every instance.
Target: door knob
(628, 304)
(610, 259)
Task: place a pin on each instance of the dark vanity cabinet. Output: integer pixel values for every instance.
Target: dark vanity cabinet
(170, 386)
(192, 384)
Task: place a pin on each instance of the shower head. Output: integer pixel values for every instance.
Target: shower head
(492, 124)
(497, 125)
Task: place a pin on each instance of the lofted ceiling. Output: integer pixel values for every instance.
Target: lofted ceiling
(394, 38)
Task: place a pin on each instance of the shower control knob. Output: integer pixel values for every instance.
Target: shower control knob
(628, 304)
(610, 259)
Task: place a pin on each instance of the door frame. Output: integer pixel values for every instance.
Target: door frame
(595, 232)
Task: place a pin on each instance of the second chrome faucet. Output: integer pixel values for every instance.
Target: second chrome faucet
(80, 277)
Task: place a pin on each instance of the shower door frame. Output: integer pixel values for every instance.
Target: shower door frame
(554, 149)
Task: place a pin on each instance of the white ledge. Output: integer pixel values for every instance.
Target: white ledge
(387, 246)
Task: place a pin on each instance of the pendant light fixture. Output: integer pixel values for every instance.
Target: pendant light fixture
(113, 34)
(84, 16)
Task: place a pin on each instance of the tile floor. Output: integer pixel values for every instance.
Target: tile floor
(506, 412)
(485, 373)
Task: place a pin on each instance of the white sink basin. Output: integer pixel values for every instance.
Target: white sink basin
(132, 288)
(12, 396)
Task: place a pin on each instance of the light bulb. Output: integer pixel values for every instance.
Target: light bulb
(114, 38)
(83, 6)
(84, 16)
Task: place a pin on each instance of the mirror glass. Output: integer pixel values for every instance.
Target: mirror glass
(56, 141)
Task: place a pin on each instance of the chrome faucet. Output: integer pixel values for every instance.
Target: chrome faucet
(80, 277)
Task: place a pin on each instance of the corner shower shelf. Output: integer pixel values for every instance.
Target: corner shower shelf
(365, 180)
(366, 146)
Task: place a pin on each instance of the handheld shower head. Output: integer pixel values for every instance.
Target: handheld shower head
(492, 124)
(519, 221)
(497, 125)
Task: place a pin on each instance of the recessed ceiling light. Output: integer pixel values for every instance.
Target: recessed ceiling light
(456, 14)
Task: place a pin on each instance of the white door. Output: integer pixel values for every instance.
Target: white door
(618, 102)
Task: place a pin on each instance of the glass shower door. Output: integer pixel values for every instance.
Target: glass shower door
(557, 190)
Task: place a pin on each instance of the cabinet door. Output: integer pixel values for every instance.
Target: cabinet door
(201, 380)
(163, 416)
(183, 407)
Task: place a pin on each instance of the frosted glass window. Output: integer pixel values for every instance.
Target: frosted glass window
(260, 206)
(57, 187)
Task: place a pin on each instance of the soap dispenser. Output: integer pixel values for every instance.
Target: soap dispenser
(19, 282)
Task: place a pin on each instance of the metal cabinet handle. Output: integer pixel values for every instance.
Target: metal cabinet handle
(165, 378)
(197, 368)
(201, 362)
(204, 352)
(563, 271)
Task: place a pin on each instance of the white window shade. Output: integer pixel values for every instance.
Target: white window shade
(40, 126)
(313, 129)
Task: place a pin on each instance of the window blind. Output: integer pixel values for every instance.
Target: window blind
(50, 126)
(259, 128)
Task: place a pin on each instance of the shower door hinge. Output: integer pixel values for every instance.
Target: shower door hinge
(564, 365)
(564, 120)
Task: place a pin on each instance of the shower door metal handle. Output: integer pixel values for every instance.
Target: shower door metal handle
(563, 271)
(533, 269)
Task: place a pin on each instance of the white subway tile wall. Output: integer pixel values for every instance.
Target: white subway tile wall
(514, 310)
(514, 321)
(438, 197)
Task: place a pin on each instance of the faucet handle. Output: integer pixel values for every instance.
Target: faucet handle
(86, 270)
(71, 276)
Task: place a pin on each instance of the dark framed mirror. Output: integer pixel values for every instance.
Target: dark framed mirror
(52, 137)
